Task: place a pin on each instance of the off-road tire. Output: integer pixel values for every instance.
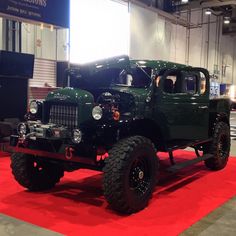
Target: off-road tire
(34, 173)
(130, 174)
(219, 147)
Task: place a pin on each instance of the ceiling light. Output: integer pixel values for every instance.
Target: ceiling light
(208, 11)
(226, 20)
(184, 1)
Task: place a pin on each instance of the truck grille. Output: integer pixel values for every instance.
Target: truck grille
(66, 115)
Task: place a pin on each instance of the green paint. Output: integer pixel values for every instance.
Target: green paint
(179, 115)
(82, 98)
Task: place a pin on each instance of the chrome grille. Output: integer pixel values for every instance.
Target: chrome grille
(66, 115)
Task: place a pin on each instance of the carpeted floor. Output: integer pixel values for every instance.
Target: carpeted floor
(77, 206)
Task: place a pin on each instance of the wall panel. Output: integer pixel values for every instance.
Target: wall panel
(178, 44)
(1, 46)
(154, 37)
(44, 43)
(143, 33)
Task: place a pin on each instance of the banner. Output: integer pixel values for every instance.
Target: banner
(55, 12)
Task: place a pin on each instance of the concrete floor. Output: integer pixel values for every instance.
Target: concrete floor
(220, 222)
(12, 227)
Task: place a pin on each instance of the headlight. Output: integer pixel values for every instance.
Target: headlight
(97, 113)
(33, 107)
(77, 136)
(22, 129)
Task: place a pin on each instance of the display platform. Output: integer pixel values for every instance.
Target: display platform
(77, 206)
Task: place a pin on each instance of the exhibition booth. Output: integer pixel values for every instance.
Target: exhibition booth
(115, 116)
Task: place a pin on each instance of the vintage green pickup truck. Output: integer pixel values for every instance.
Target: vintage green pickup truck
(115, 116)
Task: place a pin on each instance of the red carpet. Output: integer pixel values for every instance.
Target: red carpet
(77, 206)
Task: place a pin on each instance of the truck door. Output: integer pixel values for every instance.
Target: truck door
(183, 103)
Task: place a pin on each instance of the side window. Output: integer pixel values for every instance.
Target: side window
(141, 77)
(190, 84)
(169, 84)
(202, 83)
(184, 82)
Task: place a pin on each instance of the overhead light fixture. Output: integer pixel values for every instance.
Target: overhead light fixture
(184, 1)
(208, 12)
(226, 20)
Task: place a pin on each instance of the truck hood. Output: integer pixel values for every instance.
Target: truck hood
(70, 95)
(139, 94)
(98, 74)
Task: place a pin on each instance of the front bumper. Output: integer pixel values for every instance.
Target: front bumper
(68, 153)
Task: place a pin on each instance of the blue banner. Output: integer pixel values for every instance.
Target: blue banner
(55, 12)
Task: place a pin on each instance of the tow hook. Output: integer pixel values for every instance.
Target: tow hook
(69, 153)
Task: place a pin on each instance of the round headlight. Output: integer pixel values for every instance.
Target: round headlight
(22, 129)
(77, 136)
(33, 107)
(97, 113)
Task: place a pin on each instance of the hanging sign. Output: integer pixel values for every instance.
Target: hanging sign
(55, 12)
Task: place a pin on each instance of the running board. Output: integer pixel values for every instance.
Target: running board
(185, 164)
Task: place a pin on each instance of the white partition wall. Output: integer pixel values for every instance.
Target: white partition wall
(62, 44)
(41, 42)
(155, 37)
(178, 44)
(228, 45)
(150, 34)
(28, 38)
(212, 50)
(1, 39)
(143, 33)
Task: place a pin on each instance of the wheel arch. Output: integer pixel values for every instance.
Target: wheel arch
(149, 129)
(216, 118)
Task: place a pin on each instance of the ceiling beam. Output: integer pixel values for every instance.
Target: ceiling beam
(215, 3)
(207, 4)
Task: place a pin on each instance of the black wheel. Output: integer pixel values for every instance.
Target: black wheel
(33, 173)
(219, 147)
(130, 174)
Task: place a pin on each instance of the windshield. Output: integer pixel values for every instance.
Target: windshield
(103, 78)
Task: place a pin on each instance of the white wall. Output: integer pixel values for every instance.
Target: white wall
(1, 34)
(143, 34)
(62, 44)
(201, 50)
(178, 44)
(154, 37)
(28, 38)
(149, 38)
(44, 43)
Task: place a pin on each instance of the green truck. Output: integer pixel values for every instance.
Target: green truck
(115, 116)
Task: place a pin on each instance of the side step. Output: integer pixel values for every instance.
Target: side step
(185, 164)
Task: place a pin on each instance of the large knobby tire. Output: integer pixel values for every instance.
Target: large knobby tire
(130, 174)
(219, 147)
(33, 173)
